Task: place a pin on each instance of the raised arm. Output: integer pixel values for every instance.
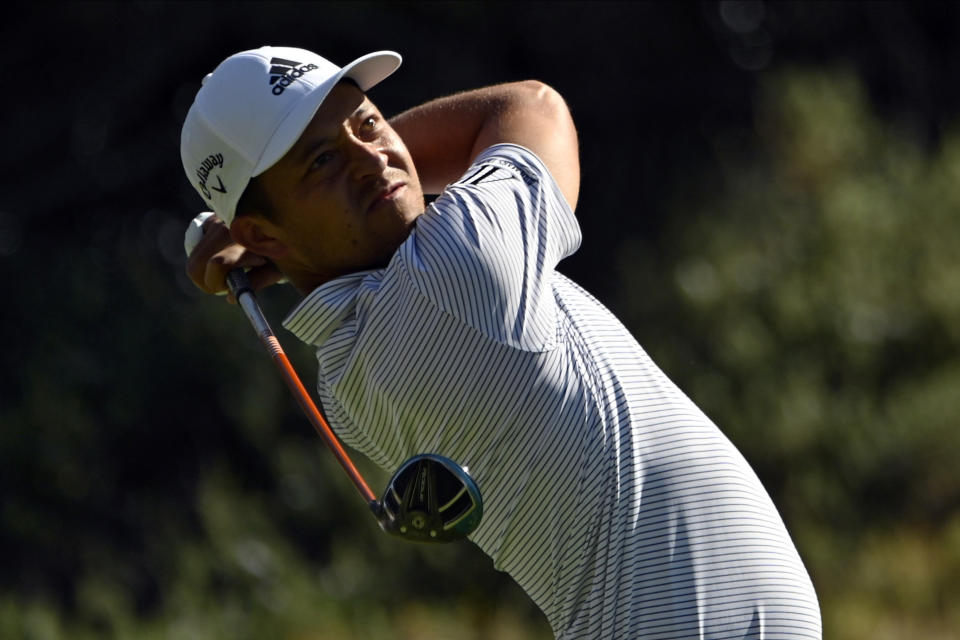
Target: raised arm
(446, 134)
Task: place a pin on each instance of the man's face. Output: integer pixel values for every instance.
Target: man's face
(346, 195)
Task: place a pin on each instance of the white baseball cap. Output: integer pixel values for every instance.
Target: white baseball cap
(253, 108)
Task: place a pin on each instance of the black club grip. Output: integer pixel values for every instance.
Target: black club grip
(238, 282)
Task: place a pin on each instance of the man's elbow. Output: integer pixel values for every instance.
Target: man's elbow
(538, 95)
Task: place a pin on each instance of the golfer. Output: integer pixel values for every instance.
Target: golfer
(611, 499)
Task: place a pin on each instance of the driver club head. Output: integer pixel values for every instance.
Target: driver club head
(430, 499)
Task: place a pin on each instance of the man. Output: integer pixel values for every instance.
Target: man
(609, 497)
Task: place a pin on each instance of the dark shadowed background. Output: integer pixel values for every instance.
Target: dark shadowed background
(769, 202)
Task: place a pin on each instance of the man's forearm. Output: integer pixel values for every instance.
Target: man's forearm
(446, 134)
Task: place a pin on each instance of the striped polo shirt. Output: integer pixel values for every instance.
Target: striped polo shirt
(610, 498)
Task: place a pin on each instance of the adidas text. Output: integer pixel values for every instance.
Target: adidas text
(287, 78)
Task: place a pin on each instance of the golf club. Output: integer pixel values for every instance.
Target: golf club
(430, 498)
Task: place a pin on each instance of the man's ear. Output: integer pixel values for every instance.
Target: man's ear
(259, 236)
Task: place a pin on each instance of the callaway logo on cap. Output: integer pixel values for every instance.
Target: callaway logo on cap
(236, 129)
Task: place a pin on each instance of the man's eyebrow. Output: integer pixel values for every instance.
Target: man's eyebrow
(365, 107)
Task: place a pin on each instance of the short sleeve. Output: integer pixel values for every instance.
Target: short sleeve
(486, 249)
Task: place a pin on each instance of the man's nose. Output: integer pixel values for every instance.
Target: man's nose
(368, 159)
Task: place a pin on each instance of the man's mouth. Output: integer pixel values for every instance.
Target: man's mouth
(389, 194)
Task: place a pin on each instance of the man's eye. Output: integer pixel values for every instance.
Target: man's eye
(321, 159)
(369, 125)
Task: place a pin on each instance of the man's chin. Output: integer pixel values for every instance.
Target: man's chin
(413, 200)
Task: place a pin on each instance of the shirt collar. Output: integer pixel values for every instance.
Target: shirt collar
(325, 308)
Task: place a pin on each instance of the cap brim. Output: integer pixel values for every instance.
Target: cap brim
(366, 71)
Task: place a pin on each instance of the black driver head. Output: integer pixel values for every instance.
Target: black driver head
(430, 499)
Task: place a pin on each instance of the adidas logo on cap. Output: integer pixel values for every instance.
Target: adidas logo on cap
(284, 72)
